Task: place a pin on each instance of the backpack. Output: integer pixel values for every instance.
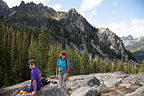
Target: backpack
(44, 81)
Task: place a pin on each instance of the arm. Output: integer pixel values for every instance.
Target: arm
(57, 72)
(34, 87)
(67, 73)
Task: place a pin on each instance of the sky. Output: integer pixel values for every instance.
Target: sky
(123, 17)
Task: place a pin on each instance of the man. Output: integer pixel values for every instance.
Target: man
(35, 79)
(62, 70)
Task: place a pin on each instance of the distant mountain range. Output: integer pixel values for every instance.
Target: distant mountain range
(66, 27)
(127, 38)
(136, 46)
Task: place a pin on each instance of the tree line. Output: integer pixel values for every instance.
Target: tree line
(18, 46)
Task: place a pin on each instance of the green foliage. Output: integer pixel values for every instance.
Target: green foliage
(19, 44)
(53, 54)
(134, 70)
(141, 67)
(42, 51)
(114, 65)
(85, 63)
(121, 66)
(74, 59)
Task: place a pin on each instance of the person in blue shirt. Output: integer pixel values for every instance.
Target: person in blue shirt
(62, 70)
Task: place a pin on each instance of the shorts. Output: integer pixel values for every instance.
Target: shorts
(25, 90)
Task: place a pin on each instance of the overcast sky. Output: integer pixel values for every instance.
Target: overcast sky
(123, 17)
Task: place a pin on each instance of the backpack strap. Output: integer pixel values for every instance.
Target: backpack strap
(59, 61)
(66, 63)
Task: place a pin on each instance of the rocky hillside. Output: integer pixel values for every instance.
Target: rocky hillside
(65, 27)
(136, 46)
(99, 84)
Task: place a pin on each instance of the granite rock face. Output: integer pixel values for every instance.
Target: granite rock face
(104, 84)
(49, 90)
(111, 84)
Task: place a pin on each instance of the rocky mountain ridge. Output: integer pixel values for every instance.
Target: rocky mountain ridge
(136, 46)
(67, 27)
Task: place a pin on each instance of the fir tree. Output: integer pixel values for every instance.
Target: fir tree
(32, 47)
(121, 66)
(114, 65)
(42, 51)
(141, 67)
(85, 63)
(74, 59)
(134, 70)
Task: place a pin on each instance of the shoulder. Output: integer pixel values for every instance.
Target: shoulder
(32, 71)
(58, 61)
(37, 69)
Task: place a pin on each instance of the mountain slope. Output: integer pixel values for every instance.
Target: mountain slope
(67, 27)
(3, 9)
(136, 46)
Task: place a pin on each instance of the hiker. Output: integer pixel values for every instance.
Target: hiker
(62, 70)
(35, 79)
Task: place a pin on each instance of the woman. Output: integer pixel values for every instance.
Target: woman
(62, 70)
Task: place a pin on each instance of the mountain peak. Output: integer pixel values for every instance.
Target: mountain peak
(22, 3)
(129, 37)
(73, 10)
(73, 14)
(3, 4)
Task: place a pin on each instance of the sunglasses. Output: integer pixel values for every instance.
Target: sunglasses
(31, 64)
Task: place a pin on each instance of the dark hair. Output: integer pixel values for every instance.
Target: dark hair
(31, 61)
(63, 53)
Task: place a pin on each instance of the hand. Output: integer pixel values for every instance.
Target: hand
(66, 77)
(56, 76)
(33, 93)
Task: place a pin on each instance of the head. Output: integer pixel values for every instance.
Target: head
(32, 64)
(62, 55)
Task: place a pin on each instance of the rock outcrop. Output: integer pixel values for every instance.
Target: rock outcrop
(98, 84)
(108, 84)
(47, 90)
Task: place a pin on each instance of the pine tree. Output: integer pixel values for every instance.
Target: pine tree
(126, 64)
(106, 67)
(32, 48)
(13, 55)
(114, 65)
(24, 58)
(74, 59)
(128, 68)
(96, 65)
(141, 67)
(42, 51)
(2, 59)
(134, 70)
(53, 57)
(121, 66)
(85, 63)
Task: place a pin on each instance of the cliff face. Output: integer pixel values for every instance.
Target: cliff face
(104, 84)
(3, 9)
(68, 27)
